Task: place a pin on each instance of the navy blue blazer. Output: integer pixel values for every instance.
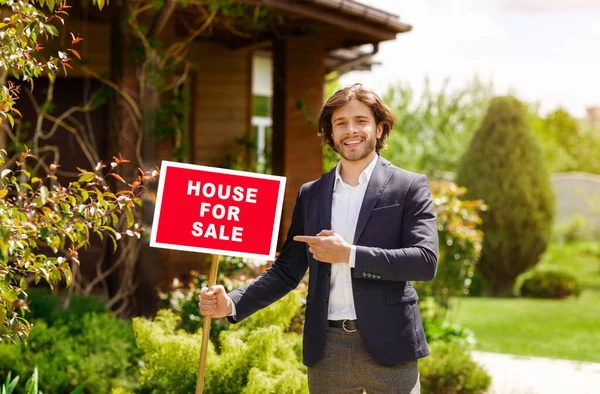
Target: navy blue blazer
(397, 242)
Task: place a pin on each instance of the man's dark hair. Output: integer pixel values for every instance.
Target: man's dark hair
(381, 112)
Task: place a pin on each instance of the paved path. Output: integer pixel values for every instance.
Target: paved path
(536, 375)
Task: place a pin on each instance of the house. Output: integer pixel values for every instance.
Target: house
(301, 42)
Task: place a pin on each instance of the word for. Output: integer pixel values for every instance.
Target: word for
(220, 211)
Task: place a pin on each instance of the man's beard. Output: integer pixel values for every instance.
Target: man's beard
(368, 147)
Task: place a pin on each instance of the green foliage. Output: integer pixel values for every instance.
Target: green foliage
(23, 36)
(233, 273)
(330, 158)
(262, 106)
(31, 386)
(550, 284)
(450, 370)
(183, 297)
(40, 213)
(534, 323)
(246, 16)
(164, 68)
(504, 167)
(444, 331)
(566, 146)
(94, 348)
(100, 3)
(121, 390)
(460, 244)
(577, 228)
(60, 309)
(9, 384)
(170, 355)
(433, 130)
(256, 355)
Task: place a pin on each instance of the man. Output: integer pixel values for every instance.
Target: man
(366, 229)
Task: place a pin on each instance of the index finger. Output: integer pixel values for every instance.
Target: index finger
(306, 238)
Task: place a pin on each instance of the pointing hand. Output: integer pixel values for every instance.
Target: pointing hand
(327, 246)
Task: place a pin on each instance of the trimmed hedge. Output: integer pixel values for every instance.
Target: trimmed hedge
(73, 346)
(256, 355)
(550, 284)
(504, 166)
(450, 370)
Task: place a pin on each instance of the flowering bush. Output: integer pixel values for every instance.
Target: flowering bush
(460, 243)
(43, 224)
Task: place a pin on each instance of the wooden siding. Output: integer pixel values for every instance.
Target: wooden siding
(221, 101)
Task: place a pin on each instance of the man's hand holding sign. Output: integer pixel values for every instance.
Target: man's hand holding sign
(214, 302)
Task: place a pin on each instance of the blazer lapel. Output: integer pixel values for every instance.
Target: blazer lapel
(325, 199)
(379, 179)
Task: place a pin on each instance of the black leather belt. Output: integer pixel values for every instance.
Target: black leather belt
(346, 325)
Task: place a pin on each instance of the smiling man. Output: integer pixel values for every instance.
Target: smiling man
(366, 230)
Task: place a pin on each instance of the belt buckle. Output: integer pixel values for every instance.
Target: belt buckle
(344, 326)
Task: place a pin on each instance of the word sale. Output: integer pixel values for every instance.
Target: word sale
(229, 213)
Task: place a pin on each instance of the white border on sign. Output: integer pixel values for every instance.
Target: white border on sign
(161, 184)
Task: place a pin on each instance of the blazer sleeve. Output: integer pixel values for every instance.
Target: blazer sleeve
(416, 259)
(282, 277)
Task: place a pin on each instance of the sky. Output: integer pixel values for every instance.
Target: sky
(545, 51)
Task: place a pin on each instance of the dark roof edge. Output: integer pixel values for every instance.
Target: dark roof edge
(373, 22)
(369, 13)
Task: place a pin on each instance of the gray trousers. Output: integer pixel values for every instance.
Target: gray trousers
(345, 367)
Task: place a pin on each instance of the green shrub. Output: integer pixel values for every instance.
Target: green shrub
(450, 370)
(549, 284)
(256, 355)
(460, 245)
(576, 228)
(504, 167)
(442, 330)
(233, 273)
(61, 308)
(92, 348)
(44, 225)
(32, 386)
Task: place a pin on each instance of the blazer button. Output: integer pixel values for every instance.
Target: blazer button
(378, 276)
(369, 275)
(364, 274)
(326, 300)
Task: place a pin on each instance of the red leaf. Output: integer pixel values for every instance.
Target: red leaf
(76, 39)
(75, 53)
(120, 159)
(118, 177)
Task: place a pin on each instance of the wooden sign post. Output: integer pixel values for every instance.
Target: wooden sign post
(212, 279)
(216, 211)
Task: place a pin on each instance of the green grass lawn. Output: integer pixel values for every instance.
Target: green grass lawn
(568, 329)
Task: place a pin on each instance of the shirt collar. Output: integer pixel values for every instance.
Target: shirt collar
(364, 177)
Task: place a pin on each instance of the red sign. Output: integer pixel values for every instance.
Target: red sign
(217, 211)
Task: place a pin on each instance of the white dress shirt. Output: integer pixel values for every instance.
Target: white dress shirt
(345, 207)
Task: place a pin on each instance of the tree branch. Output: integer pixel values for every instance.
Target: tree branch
(134, 107)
